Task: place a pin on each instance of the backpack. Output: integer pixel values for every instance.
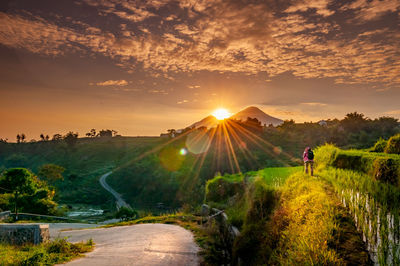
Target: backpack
(310, 155)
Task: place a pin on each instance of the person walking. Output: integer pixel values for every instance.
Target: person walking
(308, 158)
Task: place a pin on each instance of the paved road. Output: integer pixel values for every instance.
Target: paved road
(120, 202)
(142, 244)
(56, 228)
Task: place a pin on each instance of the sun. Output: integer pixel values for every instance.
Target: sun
(221, 114)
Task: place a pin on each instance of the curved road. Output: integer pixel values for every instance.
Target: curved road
(142, 244)
(120, 202)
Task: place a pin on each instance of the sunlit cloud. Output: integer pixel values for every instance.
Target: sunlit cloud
(225, 37)
(111, 83)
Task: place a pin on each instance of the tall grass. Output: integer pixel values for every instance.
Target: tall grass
(54, 252)
(373, 204)
(305, 222)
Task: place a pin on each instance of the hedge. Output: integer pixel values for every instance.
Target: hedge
(380, 166)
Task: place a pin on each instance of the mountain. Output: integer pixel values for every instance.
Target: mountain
(208, 122)
(254, 112)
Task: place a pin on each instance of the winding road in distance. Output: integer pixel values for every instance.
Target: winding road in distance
(120, 202)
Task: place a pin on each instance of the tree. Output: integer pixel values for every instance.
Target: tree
(23, 137)
(57, 137)
(51, 172)
(42, 138)
(106, 133)
(71, 139)
(47, 137)
(29, 193)
(18, 138)
(93, 132)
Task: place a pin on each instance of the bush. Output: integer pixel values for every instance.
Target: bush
(393, 145)
(382, 167)
(222, 188)
(387, 170)
(126, 214)
(379, 145)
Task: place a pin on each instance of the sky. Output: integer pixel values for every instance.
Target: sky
(142, 67)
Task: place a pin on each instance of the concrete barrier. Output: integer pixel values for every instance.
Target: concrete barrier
(20, 234)
(4, 215)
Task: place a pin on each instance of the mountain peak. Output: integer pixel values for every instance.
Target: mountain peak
(255, 112)
(251, 111)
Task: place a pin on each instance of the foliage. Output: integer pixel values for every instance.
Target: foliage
(71, 139)
(54, 252)
(29, 193)
(393, 145)
(310, 228)
(373, 204)
(51, 172)
(379, 166)
(248, 200)
(126, 214)
(379, 146)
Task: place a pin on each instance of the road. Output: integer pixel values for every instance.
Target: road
(142, 244)
(120, 202)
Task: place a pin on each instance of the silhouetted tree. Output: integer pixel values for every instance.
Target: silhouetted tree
(106, 133)
(42, 138)
(57, 137)
(18, 138)
(91, 133)
(23, 137)
(71, 139)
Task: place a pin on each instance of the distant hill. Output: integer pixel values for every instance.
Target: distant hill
(252, 112)
(208, 122)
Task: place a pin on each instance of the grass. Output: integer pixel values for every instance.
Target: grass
(373, 204)
(54, 252)
(310, 227)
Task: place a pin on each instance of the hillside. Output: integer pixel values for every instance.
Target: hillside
(347, 214)
(84, 163)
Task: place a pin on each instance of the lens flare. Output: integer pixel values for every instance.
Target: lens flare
(183, 151)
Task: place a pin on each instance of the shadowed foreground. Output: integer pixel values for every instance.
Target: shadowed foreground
(143, 244)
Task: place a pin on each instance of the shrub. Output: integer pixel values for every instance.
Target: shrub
(224, 187)
(393, 145)
(386, 169)
(126, 214)
(379, 145)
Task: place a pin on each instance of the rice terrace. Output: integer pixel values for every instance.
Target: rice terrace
(193, 132)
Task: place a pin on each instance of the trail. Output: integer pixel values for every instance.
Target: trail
(119, 201)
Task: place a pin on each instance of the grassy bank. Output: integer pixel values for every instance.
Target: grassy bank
(373, 203)
(54, 252)
(310, 227)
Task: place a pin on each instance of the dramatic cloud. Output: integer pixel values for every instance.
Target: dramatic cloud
(305, 38)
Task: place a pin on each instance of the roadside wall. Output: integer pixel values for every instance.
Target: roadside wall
(20, 234)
